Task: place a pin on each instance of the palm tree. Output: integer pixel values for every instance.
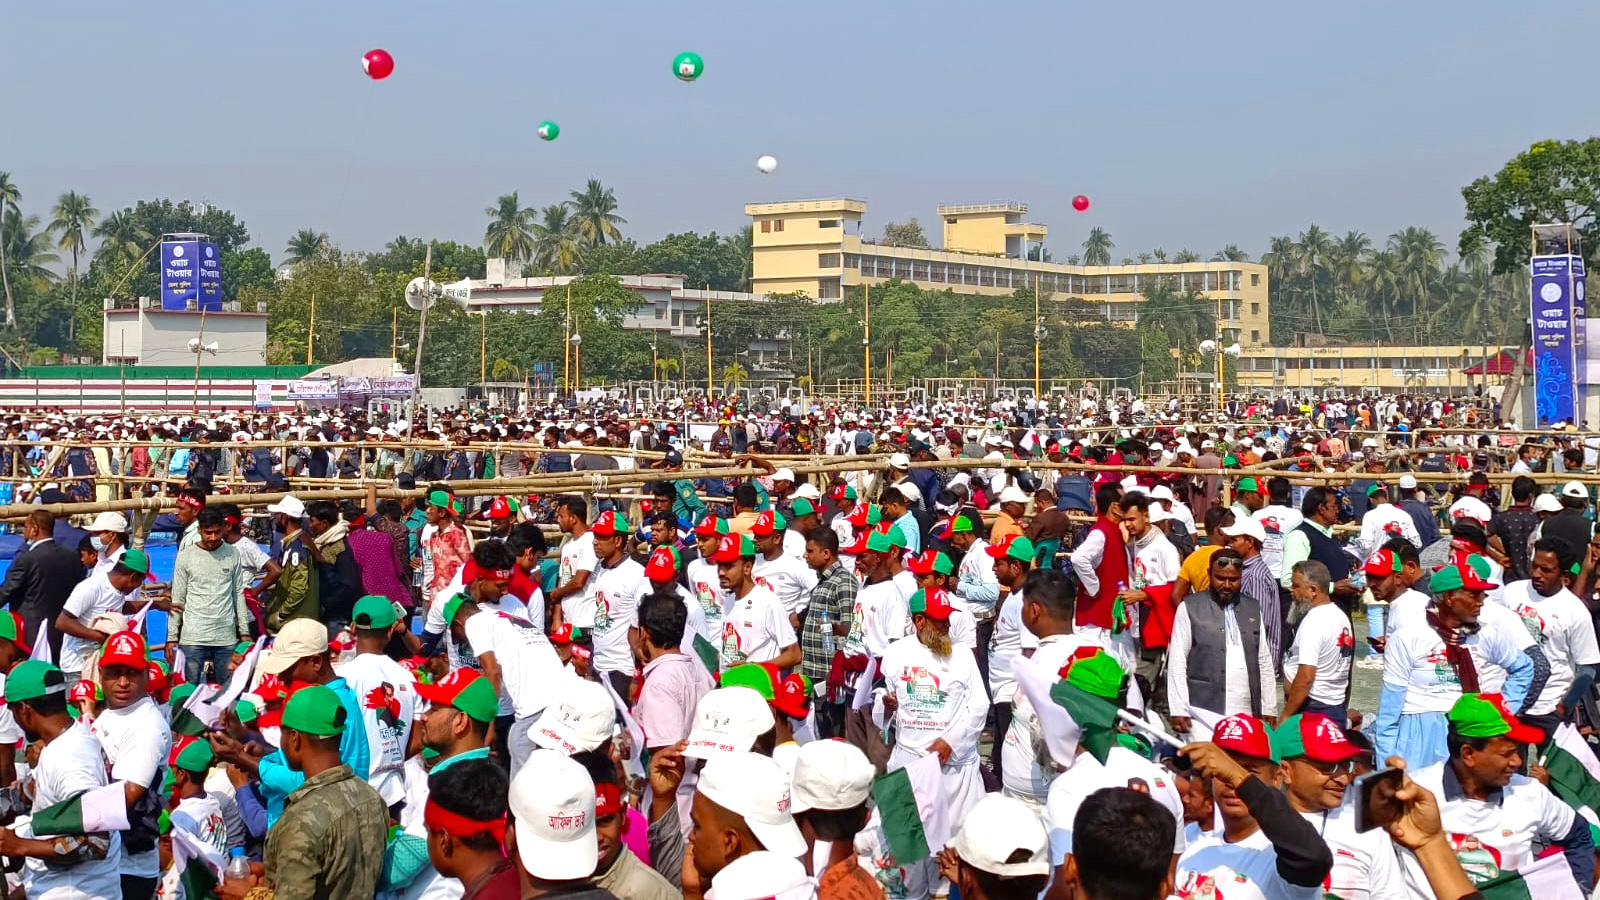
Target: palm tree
(27, 250)
(594, 209)
(1420, 256)
(122, 236)
(1097, 249)
(1313, 248)
(1230, 253)
(733, 375)
(556, 244)
(74, 219)
(1186, 316)
(740, 243)
(9, 198)
(1381, 276)
(1186, 256)
(508, 233)
(305, 244)
(666, 368)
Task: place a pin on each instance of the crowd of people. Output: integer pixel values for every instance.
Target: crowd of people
(1116, 681)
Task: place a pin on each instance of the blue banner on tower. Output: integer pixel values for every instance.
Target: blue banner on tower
(191, 275)
(1557, 283)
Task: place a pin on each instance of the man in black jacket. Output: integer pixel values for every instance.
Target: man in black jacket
(41, 577)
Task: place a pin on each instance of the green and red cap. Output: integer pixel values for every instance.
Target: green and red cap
(929, 562)
(711, 525)
(1481, 716)
(662, 564)
(1382, 563)
(1013, 546)
(935, 604)
(609, 524)
(734, 547)
(1313, 736)
(466, 690)
(1245, 735)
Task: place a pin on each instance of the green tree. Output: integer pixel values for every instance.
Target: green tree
(904, 234)
(404, 254)
(1230, 253)
(10, 196)
(741, 245)
(305, 244)
(734, 376)
(594, 210)
(1097, 249)
(248, 270)
(28, 253)
(74, 220)
(1185, 317)
(1312, 249)
(1552, 181)
(557, 246)
(122, 237)
(510, 231)
(162, 217)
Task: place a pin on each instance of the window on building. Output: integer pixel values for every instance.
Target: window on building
(1255, 309)
(1192, 281)
(766, 226)
(828, 289)
(827, 223)
(777, 224)
(1255, 280)
(1121, 284)
(661, 312)
(919, 271)
(852, 261)
(949, 220)
(1255, 336)
(827, 260)
(936, 273)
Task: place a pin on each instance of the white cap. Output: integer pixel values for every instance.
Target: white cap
(830, 775)
(1013, 494)
(109, 521)
(993, 440)
(728, 720)
(1158, 513)
(582, 719)
(1162, 492)
(1208, 444)
(1408, 482)
(289, 506)
(784, 475)
(995, 829)
(296, 640)
(899, 461)
(1247, 526)
(754, 788)
(760, 875)
(1546, 503)
(1471, 508)
(808, 491)
(552, 798)
(1574, 489)
(1370, 443)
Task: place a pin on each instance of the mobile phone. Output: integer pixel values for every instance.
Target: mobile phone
(1375, 803)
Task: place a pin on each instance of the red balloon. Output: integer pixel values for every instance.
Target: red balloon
(378, 64)
(1080, 203)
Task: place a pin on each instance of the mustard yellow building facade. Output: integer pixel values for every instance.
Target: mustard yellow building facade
(815, 247)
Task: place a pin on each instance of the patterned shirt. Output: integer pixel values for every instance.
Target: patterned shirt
(1257, 581)
(831, 603)
(330, 840)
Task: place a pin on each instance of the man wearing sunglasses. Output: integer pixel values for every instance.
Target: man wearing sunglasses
(1318, 764)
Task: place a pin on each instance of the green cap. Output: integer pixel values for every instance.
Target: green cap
(135, 559)
(1481, 716)
(466, 690)
(374, 612)
(1248, 485)
(897, 537)
(751, 675)
(1374, 487)
(962, 523)
(196, 756)
(452, 607)
(243, 646)
(175, 697)
(1230, 460)
(439, 498)
(802, 507)
(315, 709)
(246, 711)
(11, 630)
(881, 542)
(32, 679)
(1014, 546)
(1098, 674)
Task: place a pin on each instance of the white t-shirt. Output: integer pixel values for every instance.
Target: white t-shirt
(136, 740)
(387, 693)
(1364, 863)
(1010, 638)
(1019, 756)
(1414, 661)
(755, 628)
(92, 596)
(614, 593)
(935, 698)
(577, 555)
(794, 544)
(252, 560)
(530, 671)
(1122, 768)
(789, 579)
(1495, 835)
(1277, 522)
(1562, 627)
(10, 731)
(202, 817)
(1385, 521)
(1325, 640)
(1213, 869)
(708, 594)
(69, 765)
(879, 617)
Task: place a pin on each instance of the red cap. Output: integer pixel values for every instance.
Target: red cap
(562, 634)
(1314, 736)
(765, 524)
(499, 508)
(83, 690)
(270, 689)
(125, 648)
(662, 564)
(935, 603)
(1382, 563)
(1521, 733)
(156, 677)
(445, 691)
(1243, 734)
(709, 526)
(792, 696)
(732, 549)
(606, 525)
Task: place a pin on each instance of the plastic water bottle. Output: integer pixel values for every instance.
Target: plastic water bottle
(238, 867)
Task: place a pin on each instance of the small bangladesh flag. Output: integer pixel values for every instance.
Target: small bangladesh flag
(911, 803)
(1574, 773)
(198, 864)
(100, 809)
(1549, 878)
(707, 653)
(1095, 715)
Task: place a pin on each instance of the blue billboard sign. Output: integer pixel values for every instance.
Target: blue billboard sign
(1556, 316)
(191, 275)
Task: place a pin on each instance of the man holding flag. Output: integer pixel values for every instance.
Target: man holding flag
(136, 740)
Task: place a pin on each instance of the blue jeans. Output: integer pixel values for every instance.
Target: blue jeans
(195, 658)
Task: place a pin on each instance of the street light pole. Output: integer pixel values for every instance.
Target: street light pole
(422, 329)
(866, 336)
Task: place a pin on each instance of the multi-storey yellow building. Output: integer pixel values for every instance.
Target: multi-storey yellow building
(815, 247)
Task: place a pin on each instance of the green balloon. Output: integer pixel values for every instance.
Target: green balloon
(549, 131)
(688, 66)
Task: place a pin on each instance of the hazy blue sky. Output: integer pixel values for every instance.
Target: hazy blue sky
(1188, 124)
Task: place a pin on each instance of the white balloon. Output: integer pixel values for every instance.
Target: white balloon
(767, 164)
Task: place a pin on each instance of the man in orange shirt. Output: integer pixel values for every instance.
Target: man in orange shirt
(1009, 522)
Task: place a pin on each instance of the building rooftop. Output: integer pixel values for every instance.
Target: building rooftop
(835, 204)
(971, 209)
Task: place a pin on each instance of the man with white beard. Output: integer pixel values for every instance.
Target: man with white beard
(938, 700)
